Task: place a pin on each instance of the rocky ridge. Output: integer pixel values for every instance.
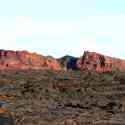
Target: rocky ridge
(97, 62)
(25, 60)
(91, 61)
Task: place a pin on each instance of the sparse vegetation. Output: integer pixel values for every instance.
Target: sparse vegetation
(38, 97)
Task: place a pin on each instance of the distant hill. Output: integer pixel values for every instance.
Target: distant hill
(92, 61)
(68, 62)
(25, 60)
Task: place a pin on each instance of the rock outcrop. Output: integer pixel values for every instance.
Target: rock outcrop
(89, 61)
(24, 60)
(97, 62)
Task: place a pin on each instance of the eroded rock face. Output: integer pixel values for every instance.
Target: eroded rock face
(89, 61)
(25, 60)
(97, 62)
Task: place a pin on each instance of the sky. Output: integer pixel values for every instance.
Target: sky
(61, 27)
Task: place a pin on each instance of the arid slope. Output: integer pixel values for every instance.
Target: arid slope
(63, 98)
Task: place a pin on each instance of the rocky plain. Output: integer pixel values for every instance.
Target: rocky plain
(39, 90)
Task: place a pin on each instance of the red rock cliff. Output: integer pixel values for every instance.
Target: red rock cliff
(97, 62)
(25, 60)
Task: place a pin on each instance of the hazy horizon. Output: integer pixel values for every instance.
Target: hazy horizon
(68, 27)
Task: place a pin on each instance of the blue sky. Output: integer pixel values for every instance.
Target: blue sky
(60, 27)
